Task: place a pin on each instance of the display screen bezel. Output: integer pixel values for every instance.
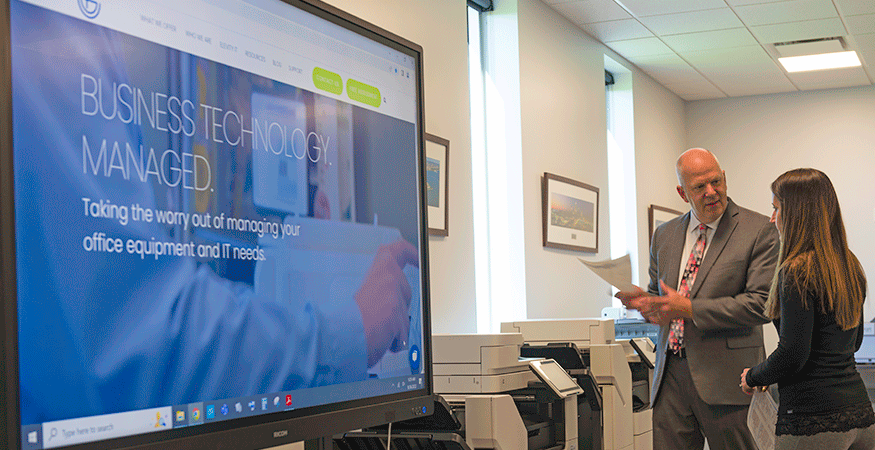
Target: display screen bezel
(250, 432)
(548, 370)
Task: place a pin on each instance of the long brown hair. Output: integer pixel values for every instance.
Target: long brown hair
(814, 255)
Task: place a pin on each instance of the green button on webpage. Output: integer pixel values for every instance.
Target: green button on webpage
(363, 93)
(327, 81)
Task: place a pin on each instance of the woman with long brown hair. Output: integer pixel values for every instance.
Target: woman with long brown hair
(816, 302)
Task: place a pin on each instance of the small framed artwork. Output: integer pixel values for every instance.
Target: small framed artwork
(437, 162)
(570, 212)
(656, 216)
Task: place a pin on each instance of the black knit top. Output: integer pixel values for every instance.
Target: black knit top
(818, 383)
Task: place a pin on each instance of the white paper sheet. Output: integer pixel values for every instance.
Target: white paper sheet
(761, 418)
(617, 272)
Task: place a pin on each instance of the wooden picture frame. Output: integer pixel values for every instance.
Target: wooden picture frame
(656, 216)
(570, 213)
(437, 163)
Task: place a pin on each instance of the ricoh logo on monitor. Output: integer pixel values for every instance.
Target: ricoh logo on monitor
(281, 433)
(90, 8)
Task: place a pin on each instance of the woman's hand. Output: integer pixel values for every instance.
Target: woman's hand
(747, 389)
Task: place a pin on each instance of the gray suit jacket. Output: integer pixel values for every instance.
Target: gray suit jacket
(725, 335)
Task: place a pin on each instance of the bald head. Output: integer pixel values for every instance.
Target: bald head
(693, 160)
(702, 183)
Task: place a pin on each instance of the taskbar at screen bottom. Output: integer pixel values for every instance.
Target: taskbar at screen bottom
(68, 432)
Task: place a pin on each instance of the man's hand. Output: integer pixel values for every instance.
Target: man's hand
(670, 306)
(384, 298)
(633, 299)
(642, 301)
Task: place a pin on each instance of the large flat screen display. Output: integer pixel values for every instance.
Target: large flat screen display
(212, 224)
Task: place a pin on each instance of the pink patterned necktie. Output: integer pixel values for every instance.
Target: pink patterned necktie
(676, 329)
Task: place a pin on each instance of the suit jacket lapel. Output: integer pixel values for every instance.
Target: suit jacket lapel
(673, 252)
(718, 242)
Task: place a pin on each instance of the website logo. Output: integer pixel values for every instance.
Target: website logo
(211, 411)
(196, 415)
(90, 8)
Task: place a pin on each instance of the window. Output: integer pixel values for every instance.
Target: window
(621, 165)
(479, 172)
(499, 252)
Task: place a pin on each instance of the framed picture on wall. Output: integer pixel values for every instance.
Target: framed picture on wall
(656, 216)
(570, 211)
(437, 162)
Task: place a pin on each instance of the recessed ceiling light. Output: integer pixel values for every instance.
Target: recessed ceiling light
(823, 61)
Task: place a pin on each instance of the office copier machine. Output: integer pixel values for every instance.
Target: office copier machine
(487, 397)
(622, 368)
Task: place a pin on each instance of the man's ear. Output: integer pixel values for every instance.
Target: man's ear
(683, 194)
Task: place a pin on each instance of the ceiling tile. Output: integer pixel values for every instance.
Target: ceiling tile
(735, 37)
(752, 83)
(588, 11)
(788, 11)
(616, 30)
(750, 2)
(692, 22)
(664, 78)
(732, 61)
(797, 31)
(643, 8)
(696, 96)
(639, 47)
(861, 24)
(867, 57)
(716, 55)
(854, 7)
(696, 91)
(865, 42)
(757, 88)
(829, 79)
(667, 69)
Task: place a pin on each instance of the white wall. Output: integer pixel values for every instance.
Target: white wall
(562, 126)
(440, 27)
(562, 96)
(659, 140)
(758, 138)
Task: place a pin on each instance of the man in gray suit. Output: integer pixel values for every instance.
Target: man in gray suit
(723, 273)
